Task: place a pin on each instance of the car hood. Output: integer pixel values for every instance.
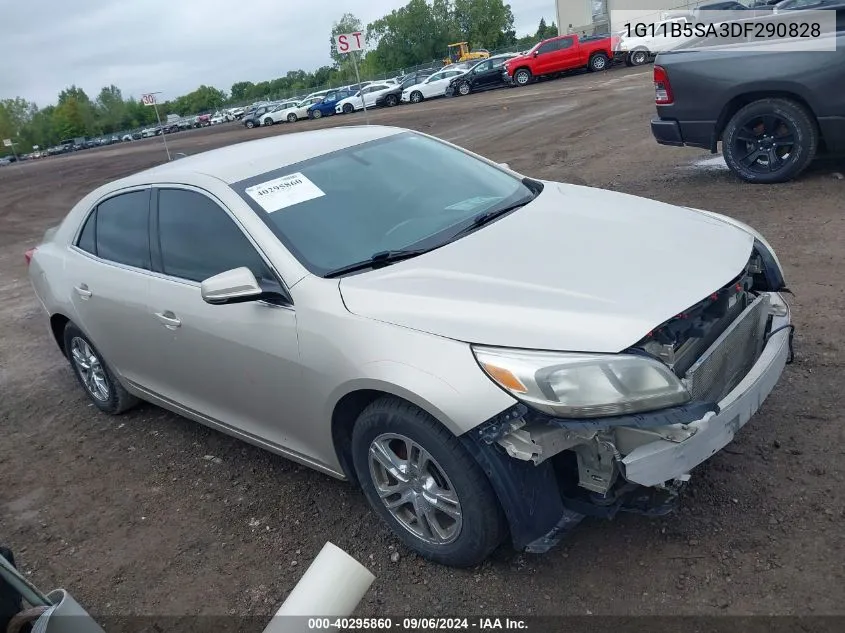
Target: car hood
(577, 269)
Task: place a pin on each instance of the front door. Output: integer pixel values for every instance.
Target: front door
(237, 364)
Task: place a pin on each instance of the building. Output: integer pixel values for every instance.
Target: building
(594, 16)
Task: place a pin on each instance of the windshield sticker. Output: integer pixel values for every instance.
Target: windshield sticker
(283, 192)
(472, 203)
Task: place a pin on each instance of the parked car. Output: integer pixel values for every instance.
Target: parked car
(436, 84)
(313, 294)
(326, 106)
(237, 113)
(300, 110)
(560, 54)
(390, 98)
(365, 96)
(217, 118)
(485, 75)
(6, 160)
(254, 118)
(126, 138)
(149, 132)
(772, 112)
(640, 49)
(277, 113)
(805, 5)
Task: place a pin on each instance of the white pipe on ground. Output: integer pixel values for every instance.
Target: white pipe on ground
(332, 586)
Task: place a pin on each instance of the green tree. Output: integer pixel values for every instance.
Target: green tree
(110, 109)
(484, 23)
(241, 90)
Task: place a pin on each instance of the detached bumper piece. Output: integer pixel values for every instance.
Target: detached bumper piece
(550, 473)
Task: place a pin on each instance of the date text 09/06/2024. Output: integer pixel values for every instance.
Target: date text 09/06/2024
(761, 30)
(416, 624)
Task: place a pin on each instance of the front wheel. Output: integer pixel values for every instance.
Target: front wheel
(316, 114)
(348, 108)
(522, 77)
(416, 96)
(464, 89)
(770, 140)
(391, 100)
(268, 121)
(425, 485)
(92, 372)
(250, 124)
(292, 118)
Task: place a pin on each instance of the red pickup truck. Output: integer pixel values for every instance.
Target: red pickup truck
(558, 54)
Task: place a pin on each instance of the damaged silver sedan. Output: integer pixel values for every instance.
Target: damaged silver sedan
(492, 358)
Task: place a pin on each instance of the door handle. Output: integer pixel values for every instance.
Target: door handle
(83, 291)
(168, 319)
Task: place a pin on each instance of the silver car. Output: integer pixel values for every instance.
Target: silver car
(487, 355)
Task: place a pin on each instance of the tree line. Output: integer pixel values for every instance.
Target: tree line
(417, 33)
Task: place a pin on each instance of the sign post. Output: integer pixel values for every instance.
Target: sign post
(150, 100)
(349, 43)
(7, 142)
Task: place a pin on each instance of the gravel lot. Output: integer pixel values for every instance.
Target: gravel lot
(132, 517)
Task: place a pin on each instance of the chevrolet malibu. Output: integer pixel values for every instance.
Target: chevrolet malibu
(494, 358)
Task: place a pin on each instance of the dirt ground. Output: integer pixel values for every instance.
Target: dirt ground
(129, 515)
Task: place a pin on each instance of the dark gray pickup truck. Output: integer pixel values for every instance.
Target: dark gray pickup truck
(773, 111)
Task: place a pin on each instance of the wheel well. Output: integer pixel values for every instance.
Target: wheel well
(740, 101)
(345, 413)
(516, 70)
(57, 325)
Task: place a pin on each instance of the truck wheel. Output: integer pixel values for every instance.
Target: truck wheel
(424, 484)
(770, 140)
(522, 77)
(598, 62)
(639, 57)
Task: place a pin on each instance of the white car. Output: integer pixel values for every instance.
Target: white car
(657, 38)
(365, 96)
(434, 86)
(218, 118)
(277, 114)
(300, 110)
(149, 132)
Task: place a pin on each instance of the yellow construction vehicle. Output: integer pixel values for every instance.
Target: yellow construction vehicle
(459, 52)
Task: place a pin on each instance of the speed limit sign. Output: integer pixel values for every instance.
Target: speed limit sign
(148, 100)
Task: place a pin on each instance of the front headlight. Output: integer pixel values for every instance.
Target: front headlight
(583, 385)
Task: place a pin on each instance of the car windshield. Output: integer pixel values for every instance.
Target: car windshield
(405, 191)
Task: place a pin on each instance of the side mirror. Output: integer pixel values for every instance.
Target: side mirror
(232, 286)
(536, 53)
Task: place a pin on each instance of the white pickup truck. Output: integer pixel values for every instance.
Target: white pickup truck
(641, 42)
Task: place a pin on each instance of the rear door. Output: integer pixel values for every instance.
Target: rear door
(237, 364)
(568, 55)
(109, 271)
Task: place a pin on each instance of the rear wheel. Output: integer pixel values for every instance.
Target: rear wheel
(770, 140)
(638, 57)
(416, 96)
(522, 77)
(292, 118)
(598, 62)
(425, 485)
(92, 372)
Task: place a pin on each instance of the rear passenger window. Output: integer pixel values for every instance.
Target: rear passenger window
(122, 233)
(199, 240)
(88, 235)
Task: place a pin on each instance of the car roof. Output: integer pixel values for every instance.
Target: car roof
(238, 162)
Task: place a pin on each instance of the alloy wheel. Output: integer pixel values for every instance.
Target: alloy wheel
(90, 368)
(765, 144)
(415, 489)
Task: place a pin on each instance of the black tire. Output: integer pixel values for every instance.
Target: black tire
(118, 399)
(391, 100)
(249, 124)
(416, 96)
(522, 77)
(348, 108)
(268, 121)
(483, 526)
(292, 118)
(316, 114)
(598, 63)
(464, 88)
(638, 57)
(770, 141)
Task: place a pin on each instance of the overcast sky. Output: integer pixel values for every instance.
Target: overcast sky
(176, 45)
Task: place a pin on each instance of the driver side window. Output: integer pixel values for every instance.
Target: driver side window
(548, 47)
(198, 239)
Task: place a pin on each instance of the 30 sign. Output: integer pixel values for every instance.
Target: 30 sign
(348, 42)
(148, 100)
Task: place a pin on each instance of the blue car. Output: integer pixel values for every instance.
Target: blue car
(326, 106)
